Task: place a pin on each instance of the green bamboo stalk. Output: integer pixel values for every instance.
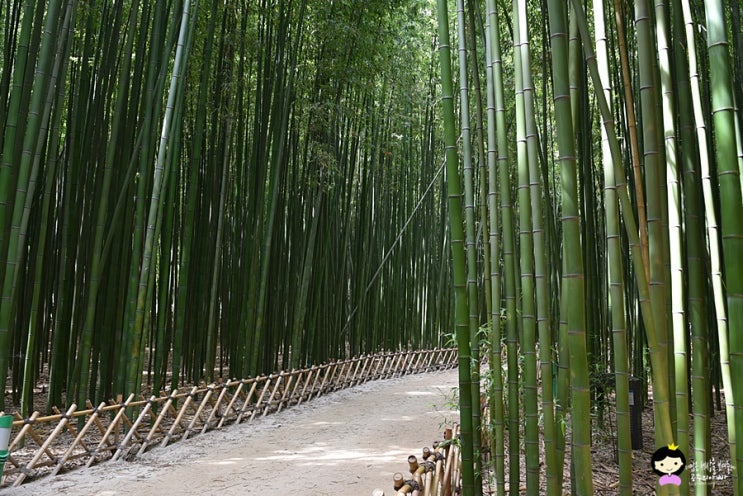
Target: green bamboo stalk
(54, 99)
(658, 255)
(698, 307)
(527, 156)
(181, 56)
(470, 245)
(573, 285)
(211, 337)
(663, 427)
(679, 324)
(731, 208)
(713, 229)
(615, 274)
(14, 128)
(38, 115)
(498, 152)
(458, 252)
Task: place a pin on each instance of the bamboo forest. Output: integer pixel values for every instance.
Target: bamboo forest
(193, 190)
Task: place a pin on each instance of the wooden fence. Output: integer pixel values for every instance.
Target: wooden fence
(44, 445)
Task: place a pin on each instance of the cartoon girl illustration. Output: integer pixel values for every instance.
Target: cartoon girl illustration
(668, 462)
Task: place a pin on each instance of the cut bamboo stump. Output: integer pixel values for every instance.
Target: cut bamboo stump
(435, 474)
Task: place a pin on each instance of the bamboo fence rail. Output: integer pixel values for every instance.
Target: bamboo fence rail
(44, 445)
(436, 474)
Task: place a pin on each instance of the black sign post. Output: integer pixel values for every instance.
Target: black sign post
(635, 411)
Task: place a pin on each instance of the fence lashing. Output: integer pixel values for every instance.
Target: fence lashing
(120, 429)
(114, 425)
(78, 439)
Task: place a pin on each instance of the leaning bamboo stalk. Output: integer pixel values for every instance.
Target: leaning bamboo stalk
(133, 428)
(197, 415)
(288, 392)
(129, 424)
(393, 366)
(380, 364)
(273, 395)
(161, 416)
(441, 358)
(295, 390)
(352, 379)
(246, 403)
(385, 360)
(93, 417)
(234, 398)
(336, 380)
(422, 361)
(307, 383)
(215, 410)
(30, 432)
(373, 373)
(324, 380)
(97, 418)
(69, 426)
(362, 374)
(417, 358)
(260, 398)
(345, 378)
(43, 448)
(114, 423)
(317, 383)
(401, 360)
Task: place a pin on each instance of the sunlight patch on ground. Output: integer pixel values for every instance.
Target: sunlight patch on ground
(404, 418)
(323, 456)
(228, 461)
(420, 393)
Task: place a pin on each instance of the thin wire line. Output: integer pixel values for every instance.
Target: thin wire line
(397, 239)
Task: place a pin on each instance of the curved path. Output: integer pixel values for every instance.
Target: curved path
(345, 443)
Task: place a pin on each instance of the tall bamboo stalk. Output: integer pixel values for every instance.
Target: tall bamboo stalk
(573, 276)
(470, 245)
(499, 177)
(615, 269)
(454, 190)
(181, 57)
(731, 207)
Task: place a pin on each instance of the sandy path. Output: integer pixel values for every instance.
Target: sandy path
(346, 443)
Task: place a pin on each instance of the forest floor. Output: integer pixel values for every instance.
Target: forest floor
(346, 443)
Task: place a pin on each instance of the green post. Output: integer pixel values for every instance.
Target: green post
(6, 423)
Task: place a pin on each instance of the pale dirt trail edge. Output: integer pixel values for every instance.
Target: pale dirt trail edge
(346, 443)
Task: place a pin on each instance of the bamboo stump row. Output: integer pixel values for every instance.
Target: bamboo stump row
(436, 474)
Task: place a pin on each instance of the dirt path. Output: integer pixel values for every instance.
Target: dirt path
(346, 443)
